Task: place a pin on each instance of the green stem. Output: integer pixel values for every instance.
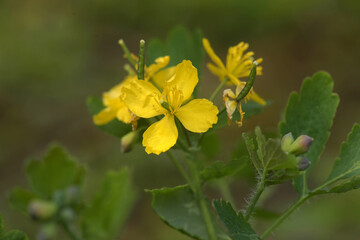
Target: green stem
(200, 198)
(178, 166)
(255, 198)
(127, 53)
(244, 92)
(217, 90)
(140, 69)
(286, 214)
(73, 234)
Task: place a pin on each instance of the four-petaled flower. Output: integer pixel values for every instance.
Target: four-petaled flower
(238, 65)
(146, 101)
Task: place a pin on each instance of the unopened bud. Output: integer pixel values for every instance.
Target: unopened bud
(301, 145)
(286, 142)
(47, 232)
(42, 210)
(304, 163)
(127, 141)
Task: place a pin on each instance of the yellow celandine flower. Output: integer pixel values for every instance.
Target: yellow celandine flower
(238, 65)
(114, 105)
(146, 101)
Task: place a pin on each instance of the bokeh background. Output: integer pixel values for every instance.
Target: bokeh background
(56, 53)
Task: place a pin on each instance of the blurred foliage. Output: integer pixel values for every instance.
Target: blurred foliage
(53, 54)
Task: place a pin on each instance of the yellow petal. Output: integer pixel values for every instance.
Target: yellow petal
(105, 116)
(160, 63)
(142, 98)
(123, 113)
(160, 136)
(198, 115)
(162, 76)
(212, 54)
(184, 80)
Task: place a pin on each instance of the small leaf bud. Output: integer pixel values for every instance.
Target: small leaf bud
(304, 163)
(286, 142)
(301, 145)
(127, 141)
(42, 210)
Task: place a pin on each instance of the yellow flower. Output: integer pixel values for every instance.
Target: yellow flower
(146, 101)
(114, 106)
(238, 65)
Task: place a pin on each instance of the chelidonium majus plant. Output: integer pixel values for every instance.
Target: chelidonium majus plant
(157, 105)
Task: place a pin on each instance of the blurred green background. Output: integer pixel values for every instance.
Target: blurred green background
(54, 54)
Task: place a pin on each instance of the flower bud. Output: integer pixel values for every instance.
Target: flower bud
(127, 141)
(301, 145)
(304, 163)
(42, 210)
(286, 142)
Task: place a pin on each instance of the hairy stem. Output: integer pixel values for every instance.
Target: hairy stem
(256, 196)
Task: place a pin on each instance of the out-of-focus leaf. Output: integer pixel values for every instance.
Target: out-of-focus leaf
(20, 198)
(221, 169)
(210, 145)
(11, 235)
(110, 208)
(311, 113)
(178, 208)
(115, 127)
(56, 171)
(238, 227)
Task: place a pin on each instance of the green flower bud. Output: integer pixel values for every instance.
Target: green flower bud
(47, 232)
(42, 210)
(301, 145)
(286, 142)
(127, 141)
(304, 163)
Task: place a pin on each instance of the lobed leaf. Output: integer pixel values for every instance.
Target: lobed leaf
(178, 208)
(110, 208)
(311, 113)
(56, 171)
(238, 227)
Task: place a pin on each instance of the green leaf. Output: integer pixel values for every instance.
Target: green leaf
(311, 113)
(56, 171)
(110, 208)
(238, 227)
(221, 169)
(20, 198)
(178, 208)
(115, 127)
(345, 186)
(348, 163)
(11, 235)
(14, 235)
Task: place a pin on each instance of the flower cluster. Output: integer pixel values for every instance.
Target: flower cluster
(168, 92)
